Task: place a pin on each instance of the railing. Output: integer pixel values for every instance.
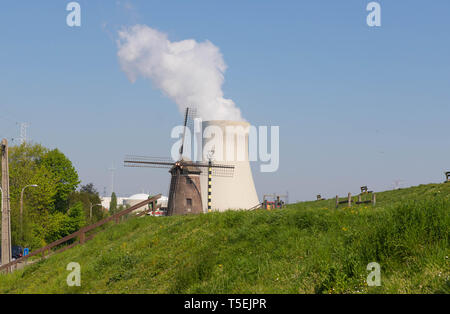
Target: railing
(81, 234)
(349, 199)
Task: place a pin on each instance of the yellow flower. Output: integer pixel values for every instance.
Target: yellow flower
(345, 229)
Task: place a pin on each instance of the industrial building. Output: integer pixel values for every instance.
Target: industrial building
(133, 200)
(228, 192)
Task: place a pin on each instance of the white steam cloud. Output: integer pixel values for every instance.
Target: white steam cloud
(188, 72)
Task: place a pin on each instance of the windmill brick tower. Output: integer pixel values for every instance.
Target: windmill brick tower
(184, 193)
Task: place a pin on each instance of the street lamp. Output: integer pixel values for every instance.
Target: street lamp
(90, 210)
(21, 206)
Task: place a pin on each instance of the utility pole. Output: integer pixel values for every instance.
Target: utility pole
(6, 220)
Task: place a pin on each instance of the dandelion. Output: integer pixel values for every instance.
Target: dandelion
(344, 229)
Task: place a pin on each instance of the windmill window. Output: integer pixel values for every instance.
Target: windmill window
(188, 180)
(189, 204)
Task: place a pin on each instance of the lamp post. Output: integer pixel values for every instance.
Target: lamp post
(90, 210)
(21, 206)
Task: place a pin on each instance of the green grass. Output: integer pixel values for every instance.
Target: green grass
(307, 248)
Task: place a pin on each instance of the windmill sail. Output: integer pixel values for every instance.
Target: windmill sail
(189, 116)
(148, 162)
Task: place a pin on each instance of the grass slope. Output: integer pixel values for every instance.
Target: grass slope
(308, 248)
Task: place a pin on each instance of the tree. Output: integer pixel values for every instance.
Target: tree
(113, 204)
(77, 217)
(60, 225)
(89, 188)
(61, 167)
(88, 196)
(43, 219)
(25, 169)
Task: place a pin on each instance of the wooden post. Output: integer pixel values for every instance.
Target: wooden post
(82, 238)
(374, 199)
(6, 220)
(359, 198)
(337, 201)
(349, 199)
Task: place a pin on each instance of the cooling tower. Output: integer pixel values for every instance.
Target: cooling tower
(229, 142)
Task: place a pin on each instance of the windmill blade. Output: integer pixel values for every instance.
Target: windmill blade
(189, 116)
(184, 132)
(148, 162)
(220, 172)
(217, 170)
(147, 165)
(206, 165)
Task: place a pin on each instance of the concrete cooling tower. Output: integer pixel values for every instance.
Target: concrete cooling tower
(226, 142)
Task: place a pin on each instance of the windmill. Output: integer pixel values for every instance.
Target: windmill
(184, 192)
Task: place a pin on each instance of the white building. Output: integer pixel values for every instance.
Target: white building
(133, 200)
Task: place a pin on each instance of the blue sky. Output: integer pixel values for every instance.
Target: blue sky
(355, 105)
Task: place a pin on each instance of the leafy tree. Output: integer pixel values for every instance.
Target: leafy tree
(113, 204)
(89, 188)
(88, 196)
(61, 167)
(57, 226)
(43, 219)
(25, 169)
(77, 217)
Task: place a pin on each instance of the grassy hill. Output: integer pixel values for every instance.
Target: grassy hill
(307, 248)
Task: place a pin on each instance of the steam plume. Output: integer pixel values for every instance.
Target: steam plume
(188, 72)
